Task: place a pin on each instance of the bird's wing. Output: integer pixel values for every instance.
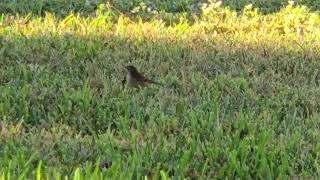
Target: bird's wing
(140, 77)
(145, 80)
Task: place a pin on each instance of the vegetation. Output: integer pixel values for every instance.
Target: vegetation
(86, 7)
(240, 98)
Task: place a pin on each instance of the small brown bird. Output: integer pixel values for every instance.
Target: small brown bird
(136, 79)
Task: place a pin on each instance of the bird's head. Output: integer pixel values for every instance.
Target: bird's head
(131, 69)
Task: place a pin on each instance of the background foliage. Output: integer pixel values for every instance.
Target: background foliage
(86, 7)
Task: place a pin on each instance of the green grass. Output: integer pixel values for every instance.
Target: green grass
(240, 98)
(63, 8)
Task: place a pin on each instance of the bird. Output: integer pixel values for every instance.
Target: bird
(135, 79)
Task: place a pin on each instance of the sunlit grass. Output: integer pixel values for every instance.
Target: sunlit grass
(240, 95)
(295, 27)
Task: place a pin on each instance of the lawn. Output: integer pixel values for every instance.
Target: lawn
(240, 94)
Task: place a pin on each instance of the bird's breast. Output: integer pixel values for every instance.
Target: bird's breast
(130, 80)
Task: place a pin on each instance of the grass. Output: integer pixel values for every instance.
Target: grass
(239, 101)
(62, 8)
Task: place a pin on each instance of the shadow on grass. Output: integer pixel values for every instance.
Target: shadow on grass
(76, 79)
(219, 91)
